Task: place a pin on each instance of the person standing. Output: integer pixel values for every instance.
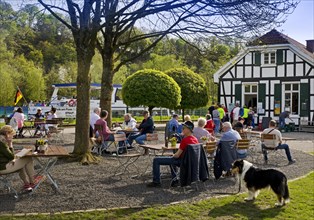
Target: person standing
(211, 109)
(221, 112)
(282, 118)
(19, 117)
(216, 118)
(235, 113)
(245, 114)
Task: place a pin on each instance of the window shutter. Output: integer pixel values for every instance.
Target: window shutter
(238, 93)
(279, 54)
(262, 94)
(304, 99)
(277, 99)
(257, 58)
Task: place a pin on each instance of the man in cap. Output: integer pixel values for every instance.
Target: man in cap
(174, 160)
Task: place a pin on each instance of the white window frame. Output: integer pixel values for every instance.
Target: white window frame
(269, 58)
(284, 91)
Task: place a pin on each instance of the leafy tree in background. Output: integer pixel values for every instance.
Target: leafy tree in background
(193, 88)
(151, 88)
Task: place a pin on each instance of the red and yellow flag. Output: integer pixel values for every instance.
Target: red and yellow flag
(18, 96)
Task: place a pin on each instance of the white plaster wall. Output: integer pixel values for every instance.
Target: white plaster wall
(311, 73)
(248, 59)
(299, 69)
(307, 67)
(228, 101)
(241, 61)
(239, 72)
(256, 72)
(298, 59)
(268, 72)
(312, 86)
(281, 70)
(290, 70)
(272, 103)
(312, 103)
(266, 102)
(228, 76)
(289, 56)
(227, 85)
(232, 71)
(247, 72)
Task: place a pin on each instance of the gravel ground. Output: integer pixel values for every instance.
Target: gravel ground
(95, 186)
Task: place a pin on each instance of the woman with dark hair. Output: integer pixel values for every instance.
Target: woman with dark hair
(19, 118)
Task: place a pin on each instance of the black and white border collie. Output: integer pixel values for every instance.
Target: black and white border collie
(256, 179)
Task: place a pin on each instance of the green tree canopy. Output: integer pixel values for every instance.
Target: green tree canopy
(151, 88)
(193, 88)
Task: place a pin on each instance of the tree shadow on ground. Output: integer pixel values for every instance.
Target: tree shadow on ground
(249, 210)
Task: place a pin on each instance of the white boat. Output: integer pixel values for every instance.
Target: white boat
(66, 106)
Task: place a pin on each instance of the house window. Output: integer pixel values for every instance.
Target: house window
(270, 58)
(292, 98)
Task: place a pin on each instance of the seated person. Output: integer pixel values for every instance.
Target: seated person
(210, 125)
(239, 126)
(8, 164)
(199, 131)
(38, 115)
(272, 130)
(129, 122)
(19, 118)
(174, 127)
(92, 120)
(106, 134)
(147, 126)
(187, 118)
(231, 135)
(51, 115)
(174, 160)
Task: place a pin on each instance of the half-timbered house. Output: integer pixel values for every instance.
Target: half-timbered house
(273, 73)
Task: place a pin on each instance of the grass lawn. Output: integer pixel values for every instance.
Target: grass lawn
(229, 207)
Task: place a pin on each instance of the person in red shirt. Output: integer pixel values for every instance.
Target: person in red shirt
(174, 160)
(210, 125)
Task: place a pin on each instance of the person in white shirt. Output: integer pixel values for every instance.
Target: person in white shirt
(92, 120)
(235, 113)
(200, 131)
(51, 115)
(129, 122)
(272, 130)
(19, 117)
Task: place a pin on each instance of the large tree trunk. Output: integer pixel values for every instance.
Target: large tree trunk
(81, 150)
(150, 110)
(106, 85)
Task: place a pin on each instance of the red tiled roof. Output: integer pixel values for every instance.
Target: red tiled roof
(275, 37)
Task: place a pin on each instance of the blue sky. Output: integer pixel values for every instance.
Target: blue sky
(299, 24)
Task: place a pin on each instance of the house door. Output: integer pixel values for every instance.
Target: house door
(250, 100)
(250, 95)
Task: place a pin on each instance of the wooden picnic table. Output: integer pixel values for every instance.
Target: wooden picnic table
(47, 161)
